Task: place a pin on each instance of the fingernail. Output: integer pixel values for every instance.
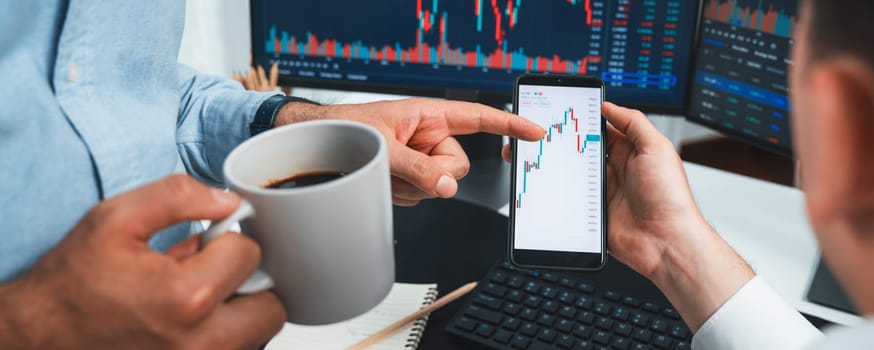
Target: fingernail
(224, 197)
(446, 187)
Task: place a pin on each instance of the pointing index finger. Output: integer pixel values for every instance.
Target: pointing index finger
(468, 118)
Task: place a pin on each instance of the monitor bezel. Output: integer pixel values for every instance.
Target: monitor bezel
(486, 97)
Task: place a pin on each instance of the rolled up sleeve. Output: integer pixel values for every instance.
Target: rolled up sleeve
(214, 117)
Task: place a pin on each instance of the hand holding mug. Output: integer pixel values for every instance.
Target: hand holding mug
(103, 287)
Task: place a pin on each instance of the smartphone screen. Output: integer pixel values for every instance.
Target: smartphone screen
(557, 208)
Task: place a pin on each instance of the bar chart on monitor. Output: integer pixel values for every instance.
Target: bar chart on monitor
(558, 178)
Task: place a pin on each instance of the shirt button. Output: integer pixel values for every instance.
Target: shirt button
(72, 72)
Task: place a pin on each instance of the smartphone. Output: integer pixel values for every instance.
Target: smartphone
(557, 205)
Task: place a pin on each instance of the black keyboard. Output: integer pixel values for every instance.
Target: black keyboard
(515, 309)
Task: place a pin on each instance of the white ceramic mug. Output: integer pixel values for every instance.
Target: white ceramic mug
(327, 249)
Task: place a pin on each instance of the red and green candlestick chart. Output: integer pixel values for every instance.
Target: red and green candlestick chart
(763, 16)
(506, 17)
(570, 124)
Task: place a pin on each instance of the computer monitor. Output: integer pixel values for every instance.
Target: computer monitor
(476, 48)
(740, 83)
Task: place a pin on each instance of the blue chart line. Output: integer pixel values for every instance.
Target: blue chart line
(569, 122)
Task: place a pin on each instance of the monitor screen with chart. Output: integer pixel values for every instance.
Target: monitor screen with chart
(740, 83)
(641, 49)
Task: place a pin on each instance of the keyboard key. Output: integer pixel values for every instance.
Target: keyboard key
(602, 308)
(640, 320)
(512, 323)
(532, 287)
(564, 326)
(483, 314)
(630, 301)
(622, 329)
(550, 277)
(650, 307)
(499, 277)
(516, 282)
(679, 332)
(612, 296)
(639, 346)
(604, 323)
(583, 331)
(564, 341)
(567, 311)
(642, 335)
(566, 282)
(584, 303)
(659, 326)
(485, 330)
(585, 287)
(550, 306)
(566, 297)
(465, 324)
(601, 337)
(682, 345)
(662, 342)
(546, 319)
(503, 337)
(670, 312)
(586, 317)
(495, 290)
(547, 335)
(534, 274)
(487, 301)
(621, 344)
(584, 345)
(532, 301)
(528, 314)
(512, 309)
(520, 342)
(549, 292)
(620, 314)
(515, 296)
(529, 329)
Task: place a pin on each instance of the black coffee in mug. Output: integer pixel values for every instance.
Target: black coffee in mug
(305, 179)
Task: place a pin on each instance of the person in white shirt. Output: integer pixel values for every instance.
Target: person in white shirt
(656, 228)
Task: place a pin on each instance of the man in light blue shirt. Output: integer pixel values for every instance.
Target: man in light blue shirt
(94, 107)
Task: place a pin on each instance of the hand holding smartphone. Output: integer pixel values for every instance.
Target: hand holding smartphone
(558, 210)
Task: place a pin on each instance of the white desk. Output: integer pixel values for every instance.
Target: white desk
(767, 224)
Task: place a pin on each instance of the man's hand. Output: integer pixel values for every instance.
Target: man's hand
(425, 159)
(654, 225)
(102, 287)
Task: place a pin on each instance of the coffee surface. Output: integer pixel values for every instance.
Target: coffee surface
(305, 179)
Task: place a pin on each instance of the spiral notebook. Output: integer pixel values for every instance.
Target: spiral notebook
(402, 300)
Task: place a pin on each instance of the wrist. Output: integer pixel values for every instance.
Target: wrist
(700, 273)
(299, 111)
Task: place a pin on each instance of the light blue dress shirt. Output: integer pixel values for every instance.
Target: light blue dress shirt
(93, 104)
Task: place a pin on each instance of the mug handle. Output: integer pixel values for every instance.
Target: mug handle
(259, 281)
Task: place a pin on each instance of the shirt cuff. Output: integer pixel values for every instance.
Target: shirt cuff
(755, 317)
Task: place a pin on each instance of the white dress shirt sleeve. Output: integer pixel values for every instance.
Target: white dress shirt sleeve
(756, 318)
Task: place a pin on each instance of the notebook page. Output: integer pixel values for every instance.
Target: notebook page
(402, 300)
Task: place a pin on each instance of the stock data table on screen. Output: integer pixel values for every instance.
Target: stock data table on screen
(640, 48)
(740, 84)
